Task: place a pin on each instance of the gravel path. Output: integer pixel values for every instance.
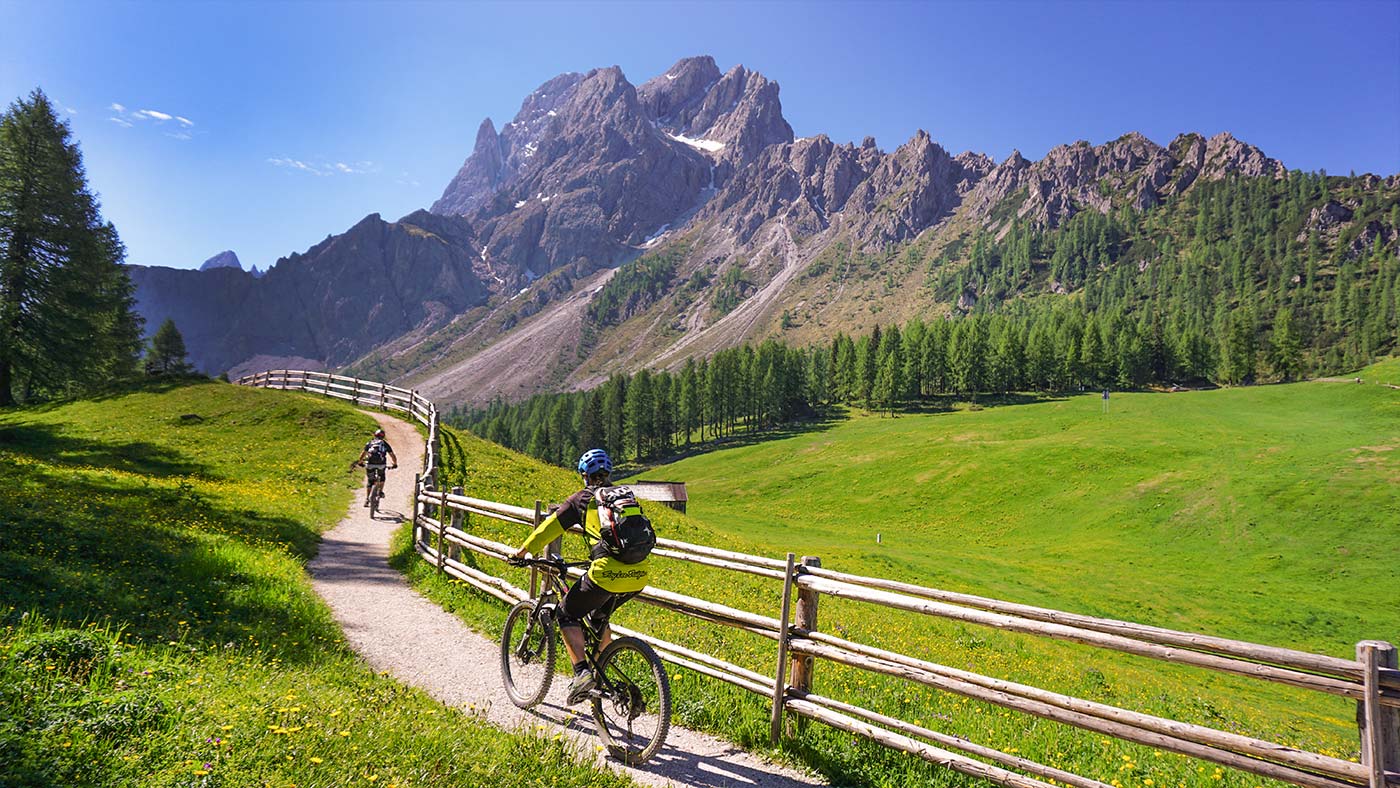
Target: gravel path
(397, 630)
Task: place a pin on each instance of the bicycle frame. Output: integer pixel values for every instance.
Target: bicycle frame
(553, 586)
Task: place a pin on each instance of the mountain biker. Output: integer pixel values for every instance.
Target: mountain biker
(608, 582)
(372, 457)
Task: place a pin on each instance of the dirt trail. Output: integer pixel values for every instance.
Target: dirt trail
(397, 630)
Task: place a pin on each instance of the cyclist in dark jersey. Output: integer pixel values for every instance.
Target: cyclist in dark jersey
(608, 583)
(372, 457)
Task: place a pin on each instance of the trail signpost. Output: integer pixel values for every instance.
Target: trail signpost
(1105, 400)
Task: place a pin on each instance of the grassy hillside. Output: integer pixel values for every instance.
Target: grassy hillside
(159, 629)
(1264, 513)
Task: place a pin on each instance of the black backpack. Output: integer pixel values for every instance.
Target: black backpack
(378, 452)
(626, 533)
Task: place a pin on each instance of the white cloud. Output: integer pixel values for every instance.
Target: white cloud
(297, 164)
(323, 169)
(70, 110)
(125, 118)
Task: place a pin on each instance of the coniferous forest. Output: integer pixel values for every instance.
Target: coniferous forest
(1240, 281)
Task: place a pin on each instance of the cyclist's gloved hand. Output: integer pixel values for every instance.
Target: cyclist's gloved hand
(514, 561)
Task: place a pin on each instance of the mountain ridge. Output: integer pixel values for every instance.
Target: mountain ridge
(594, 172)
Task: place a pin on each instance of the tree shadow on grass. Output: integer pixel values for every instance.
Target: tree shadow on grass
(950, 404)
(820, 422)
(831, 416)
(162, 564)
(48, 442)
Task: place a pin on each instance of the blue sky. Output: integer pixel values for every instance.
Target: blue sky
(291, 121)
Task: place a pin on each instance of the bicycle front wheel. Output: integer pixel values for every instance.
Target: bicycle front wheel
(632, 707)
(527, 656)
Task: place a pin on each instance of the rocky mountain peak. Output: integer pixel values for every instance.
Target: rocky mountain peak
(479, 176)
(592, 166)
(680, 90)
(224, 259)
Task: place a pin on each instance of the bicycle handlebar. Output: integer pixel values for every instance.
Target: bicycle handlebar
(557, 565)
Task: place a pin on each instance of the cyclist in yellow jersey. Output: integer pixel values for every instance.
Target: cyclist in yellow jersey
(608, 583)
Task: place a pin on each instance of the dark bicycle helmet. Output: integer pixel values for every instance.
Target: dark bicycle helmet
(379, 433)
(594, 461)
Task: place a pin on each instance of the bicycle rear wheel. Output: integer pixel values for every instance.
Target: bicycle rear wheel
(374, 495)
(527, 656)
(632, 707)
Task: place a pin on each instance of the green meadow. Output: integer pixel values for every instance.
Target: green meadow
(157, 627)
(1268, 513)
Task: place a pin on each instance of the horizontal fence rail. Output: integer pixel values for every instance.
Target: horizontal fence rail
(1372, 679)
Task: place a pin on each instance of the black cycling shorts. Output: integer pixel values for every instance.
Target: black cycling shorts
(588, 599)
(373, 474)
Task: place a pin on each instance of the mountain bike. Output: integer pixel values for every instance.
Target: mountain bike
(376, 491)
(631, 701)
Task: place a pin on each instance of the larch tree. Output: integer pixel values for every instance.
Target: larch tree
(66, 308)
(167, 353)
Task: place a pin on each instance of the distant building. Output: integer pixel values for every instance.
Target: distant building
(671, 494)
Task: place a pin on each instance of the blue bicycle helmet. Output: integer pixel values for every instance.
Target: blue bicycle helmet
(594, 461)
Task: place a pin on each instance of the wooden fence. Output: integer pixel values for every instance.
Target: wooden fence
(362, 392)
(1372, 680)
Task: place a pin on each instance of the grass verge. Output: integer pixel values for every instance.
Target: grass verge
(159, 628)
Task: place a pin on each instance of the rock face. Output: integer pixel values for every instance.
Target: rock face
(342, 297)
(1073, 177)
(224, 259)
(591, 166)
(479, 176)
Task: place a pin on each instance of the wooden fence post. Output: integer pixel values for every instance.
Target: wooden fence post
(413, 515)
(455, 551)
(1378, 725)
(382, 389)
(780, 683)
(412, 395)
(807, 621)
(357, 391)
(535, 573)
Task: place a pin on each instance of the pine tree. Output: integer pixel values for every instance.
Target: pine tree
(66, 306)
(888, 387)
(614, 403)
(167, 353)
(867, 364)
(967, 357)
(590, 423)
(1239, 351)
(689, 401)
(640, 425)
(1286, 355)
